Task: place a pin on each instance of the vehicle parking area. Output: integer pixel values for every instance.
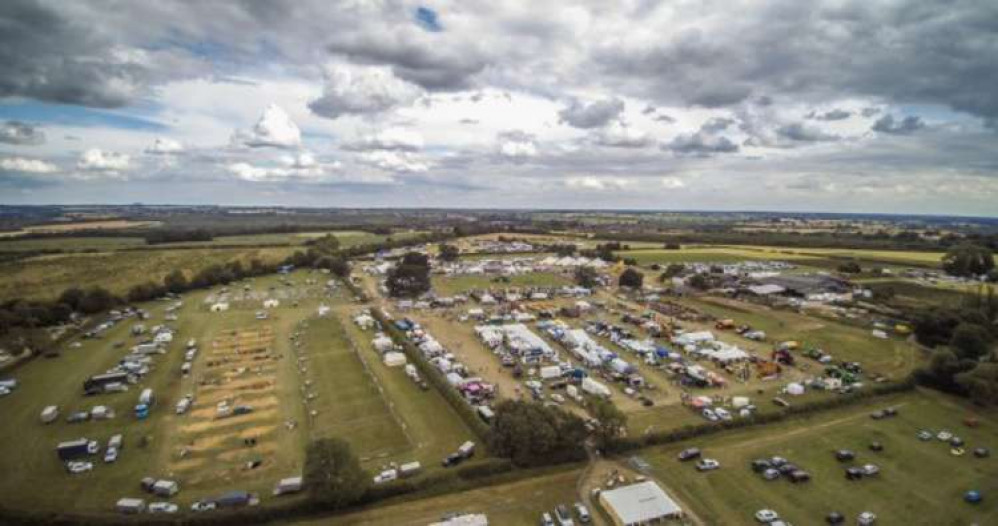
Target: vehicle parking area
(232, 426)
(901, 478)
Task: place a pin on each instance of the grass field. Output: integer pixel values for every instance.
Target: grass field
(920, 482)
(513, 503)
(45, 277)
(448, 286)
(910, 294)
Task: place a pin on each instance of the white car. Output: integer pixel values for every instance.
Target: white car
(203, 505)
(558, 398)
(709, 414)
(163, 507)
(79, 467)
(871, 470)
(945, 436)
(766, 516)
(866, 518)
(4, 391)
(110, 455)
(708, 464)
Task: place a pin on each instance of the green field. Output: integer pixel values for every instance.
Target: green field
(448, 286)
(45, 277)
(919, 483)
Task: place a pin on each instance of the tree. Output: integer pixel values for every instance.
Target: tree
(935, 326)
(942, 370)
(333, 474)
(586, 277)
(176, 282)
(96, 299)
(671, 246)
(612, 421)
(673, 270)
(981, 383)
(449, 252)
(72, 296)
(970, 341)
(631, 278)
(968, 260)
(698, 281)
(326, 244)
(850, 267)
(338, 265)
(411, 277)
(531, 434)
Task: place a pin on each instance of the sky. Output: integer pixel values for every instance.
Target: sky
(782, 105)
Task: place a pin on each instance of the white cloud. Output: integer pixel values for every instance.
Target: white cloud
(389, 139)
(394, 161)
(673, 183)
(618, 134)
(23, 165)
(165, 146)
(597, 183)
(274, 129)
(97, 160)
(352, 89)
(517, 146)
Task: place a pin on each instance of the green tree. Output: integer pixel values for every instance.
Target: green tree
(967, 260)
(96, 299)
(698, 281)
(970, 341)
(981, 383)
(531, 434)
(449, 252)
(673, 270)
(586, 277)
(411, 277)
(850, 267)
(72, 296)
(176, 282)
(631, 278)
(333, 475)
(612, 421)
(326, 244)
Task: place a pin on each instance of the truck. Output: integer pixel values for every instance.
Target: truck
(74, 449)
(165, 488)
(98, 384)
(49, 414)
(409, 469)
(130, 506)
(289, 485)
(146, 397)
(467, 449)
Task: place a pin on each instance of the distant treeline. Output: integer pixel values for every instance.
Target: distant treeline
(159, 236)
(880, 241)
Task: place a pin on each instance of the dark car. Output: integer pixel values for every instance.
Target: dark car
(777, 461)
(855, 473)
(982, 452)
(689, 454)
(452, 460)
(891, 411)
(844, 455)
(956, 442)
(835, 518)
(770, 474)
(876, 446)
(760, 465)
(799, 475)
(788, 468)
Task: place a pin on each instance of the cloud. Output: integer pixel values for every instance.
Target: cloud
(673, 183)
(701, 144)
(165, 146)
(358, 90)
(597, 183)
(619, 135)
(20, 134)
(389, 139)
(594, 114)
(716, 124)
(97, 160)
(516, 145)
(798, 131)
(274, 129)
(832, 115)
(29, 166)
(299, 167)
(905, 126)
(394, 161)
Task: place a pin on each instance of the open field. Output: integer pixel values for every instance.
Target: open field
(448, 286)
(112, 224)
(816, 257)
(45, 277)
(919, 483)
(704, 254)
(513, 503)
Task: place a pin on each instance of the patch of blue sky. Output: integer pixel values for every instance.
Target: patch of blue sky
(427, 19)
(67, 115)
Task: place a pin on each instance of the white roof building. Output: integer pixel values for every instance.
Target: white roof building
(639, 504)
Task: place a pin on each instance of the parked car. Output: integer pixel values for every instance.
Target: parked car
(563, 515)
(799, 476)
(871, 470)
(855, 473)
(546, 519)
(835, 518)
(163, 507)
(759, 465)
(582, 512)
(956, 442)
(709, 414)
(708, 464)
(866, 518)
(844, 455)
(79, 467)
(766, 516)
(982, 452)
(203, 505)
(689, 454)
(778, 461)
(111, 455)
(944, 436)
(77, 417)
(771, 474)
(452, 460)
(924, 435)
(876, 446)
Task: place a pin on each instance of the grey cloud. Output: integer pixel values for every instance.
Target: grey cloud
(665, 118)
(801, 132)
(870, 112)
(905, 126)
(833, 115)
(717, 124)
(701, 144)
(20, 133)
(598, 113)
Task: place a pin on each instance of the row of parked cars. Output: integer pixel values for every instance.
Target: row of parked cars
(564, 517)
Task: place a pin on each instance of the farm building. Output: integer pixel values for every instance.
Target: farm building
(639, 504)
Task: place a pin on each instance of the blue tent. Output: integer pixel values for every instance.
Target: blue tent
(578, 373)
